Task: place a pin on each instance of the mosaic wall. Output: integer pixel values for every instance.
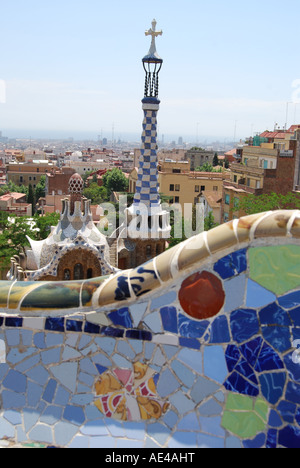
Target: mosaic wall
(192, 349)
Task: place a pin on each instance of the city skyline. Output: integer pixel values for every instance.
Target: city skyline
(228, 72)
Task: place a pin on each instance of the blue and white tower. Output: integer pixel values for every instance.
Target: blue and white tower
(147, 218)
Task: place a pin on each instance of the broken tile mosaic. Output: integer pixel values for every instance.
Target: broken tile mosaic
(208, 359)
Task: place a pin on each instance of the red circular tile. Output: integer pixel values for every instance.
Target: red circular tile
(201, 295)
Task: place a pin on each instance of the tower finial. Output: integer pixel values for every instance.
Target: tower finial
(152, 32)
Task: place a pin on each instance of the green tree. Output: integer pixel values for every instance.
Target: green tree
(216, 160)
(31, 198)
(209, 222)
(11, 187)
(13, 238)
(44, 224)
(40, 190)
(208, 168)
(115, 181)
(96, 194)
(252, 204)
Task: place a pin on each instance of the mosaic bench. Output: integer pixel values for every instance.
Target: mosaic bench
(196, 348)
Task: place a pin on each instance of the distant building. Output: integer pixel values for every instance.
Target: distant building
(57, 181)
(15, 204)
(271, 166)
(74, 250)
(28, 173)
(182, 186)
(198, 157)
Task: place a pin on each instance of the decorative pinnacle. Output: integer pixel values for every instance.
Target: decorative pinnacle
(152, 32)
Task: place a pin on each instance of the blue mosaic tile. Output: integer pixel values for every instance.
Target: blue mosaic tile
(272, 386)
(74, 414)
(210, 408)
(153, 321)
(244, 324)
(289, 437)
(232, 356)
(186, 376)
(189, 423)
(191, 358)
(15, 381)
(232, 265)
(167, 384)
(257, 442)
(114, 332)
(236, 383)
(92, 328)
(12, 337)
(246, 371)
(251, 350)
(292, 393)
(274, 419)
(257, 296)
(295, 316)
(12, 400)
(139, 335)
(234, 293)
(180, 401)
(278, 337)
(189, 343)
(214, 363)
(55, 324)
(7, 430)
(290, 301)
(169, 319)
(74, 325)
(292, 367)
(219, 332)
(51, 415)
(191, 328)
(170, 419)
(298, 416)
(14, 322)
(287, 411)
(14, 417)
(35, 392)
(274, 315)
(268, 360)
(50, 391)
(212, 425)
(272, 436)
(121, 317)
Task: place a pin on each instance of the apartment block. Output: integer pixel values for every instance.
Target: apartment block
(271, 166)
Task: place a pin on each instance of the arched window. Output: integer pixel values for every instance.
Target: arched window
(148, 251)
(67, 274)
(89, 273)
(78, 272)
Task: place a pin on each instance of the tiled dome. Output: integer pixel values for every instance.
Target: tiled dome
(76, 184)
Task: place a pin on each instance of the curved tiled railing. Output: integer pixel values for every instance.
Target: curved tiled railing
(34, 298)
(196, 348)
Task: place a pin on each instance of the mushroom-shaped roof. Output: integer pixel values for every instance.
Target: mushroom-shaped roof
(76, 184)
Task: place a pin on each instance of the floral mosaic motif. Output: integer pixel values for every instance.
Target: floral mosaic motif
(129, 395)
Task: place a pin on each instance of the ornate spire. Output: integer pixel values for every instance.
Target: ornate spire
(152, 54)
(152, 65)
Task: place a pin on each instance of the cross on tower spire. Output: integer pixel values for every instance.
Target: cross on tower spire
(152, 32)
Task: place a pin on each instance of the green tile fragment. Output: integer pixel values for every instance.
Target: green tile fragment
(275, 268)
(245, 416)
(243, 424)
(239, 402)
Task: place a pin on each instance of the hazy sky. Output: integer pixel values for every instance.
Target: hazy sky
(230, 67)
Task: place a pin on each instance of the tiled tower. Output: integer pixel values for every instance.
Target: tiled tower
(147, 222)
